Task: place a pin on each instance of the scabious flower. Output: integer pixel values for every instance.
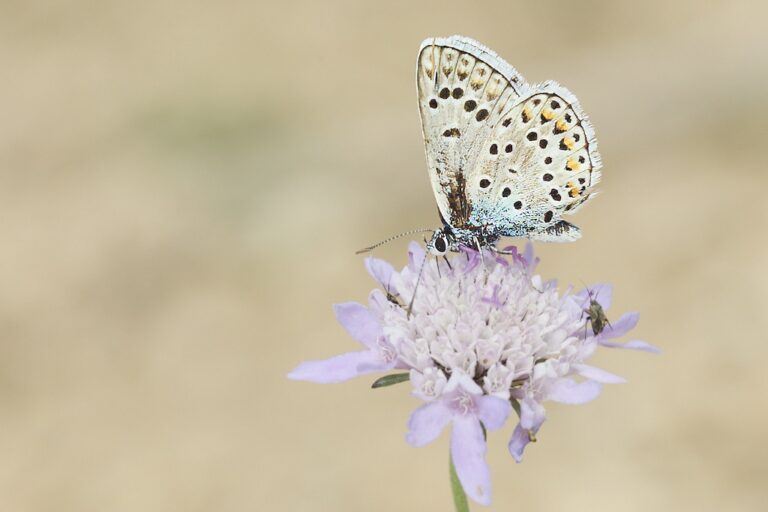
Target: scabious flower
(485, 335)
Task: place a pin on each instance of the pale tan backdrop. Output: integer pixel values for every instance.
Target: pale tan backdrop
(182, 187)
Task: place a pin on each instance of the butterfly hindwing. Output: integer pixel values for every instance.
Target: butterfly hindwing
(542, 161)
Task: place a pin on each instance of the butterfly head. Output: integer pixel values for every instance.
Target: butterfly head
(442, 241)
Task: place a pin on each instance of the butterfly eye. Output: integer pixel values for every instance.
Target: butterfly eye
(440, 245)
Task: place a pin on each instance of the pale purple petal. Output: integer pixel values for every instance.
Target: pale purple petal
(376, 364)
(463, 381)
(382, 272)
(468, 452)
(474, 258)
(416, 256)
(532, 414)
(473, 262)
(493, 411)
(386, 357)
(336, 369)
(517, 258)
(632, 345)
(377, 302)
(500, 260)
(493, 300)
(620, 327)
(530, 259)
(568, 391)
(358, 322)
(518, 442)
(598, 375)
(602, 293)
(427, 422)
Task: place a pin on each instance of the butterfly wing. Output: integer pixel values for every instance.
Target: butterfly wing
(539, 162)
(463, 88)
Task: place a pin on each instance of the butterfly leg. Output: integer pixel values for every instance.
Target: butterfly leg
(416, 286)
(437, 264)
(501, 252)
(447, 262)
(480, 250)
(561, 231)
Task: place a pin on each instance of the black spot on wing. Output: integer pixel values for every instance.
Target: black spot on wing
(452, 132)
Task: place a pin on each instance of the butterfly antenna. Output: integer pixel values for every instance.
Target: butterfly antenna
(374, 246)
(415, 288)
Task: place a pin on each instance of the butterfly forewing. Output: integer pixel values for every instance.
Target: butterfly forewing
(462, 88)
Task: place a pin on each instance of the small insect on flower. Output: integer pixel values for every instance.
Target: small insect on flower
(596, 314)
(393, 297)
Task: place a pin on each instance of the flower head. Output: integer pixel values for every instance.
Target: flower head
(483, 335)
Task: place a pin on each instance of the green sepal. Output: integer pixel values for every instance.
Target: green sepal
(515, 405)
(388, 380)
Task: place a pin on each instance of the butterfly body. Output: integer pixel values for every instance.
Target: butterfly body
(505, 158)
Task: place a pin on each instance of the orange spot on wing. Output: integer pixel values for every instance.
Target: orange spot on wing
(572, 164)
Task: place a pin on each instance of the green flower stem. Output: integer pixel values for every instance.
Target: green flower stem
(459, 498)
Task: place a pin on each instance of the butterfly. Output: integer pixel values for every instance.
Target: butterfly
(505, 158)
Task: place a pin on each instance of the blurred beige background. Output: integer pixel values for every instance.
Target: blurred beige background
(182, 188)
